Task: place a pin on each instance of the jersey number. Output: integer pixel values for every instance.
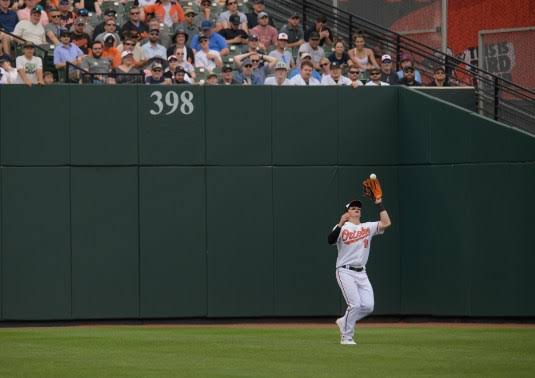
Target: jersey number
(365, 241)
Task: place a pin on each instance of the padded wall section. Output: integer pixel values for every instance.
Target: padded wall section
(173, 242)
(238, 125)
(413, 128)
(171, 125)
(34, 132)
(305, 125)
(368, 125)
(36, 243)
(105, 250)
(103, 123)
(240, 241)
(304, 200)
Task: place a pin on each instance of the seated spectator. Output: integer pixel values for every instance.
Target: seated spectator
(111, 52)
(335, 77)
(313, 48)
(387, 75)
(353, 75)
(180, 39)
(79, 37)
(227, 78)
(253, 45)
(294, 30)
(109, 15)
(131, 44)
(93, 6)
(215, 41)
(406, 61)
(122, 74)
(32, 30)
(325, 67)
(187, 66)
(305, 75)
(340, 55)
(152, 48)
(25, 13)
(110, 27)
(165, 38)
(207, 58)
(134, 23)
(205, 14)
(67, 17)
(48, 78)
(95, 63)
(281, 53)
(83, 15)
(361, 56)
(280, 78)
(54, 27)
(188, 25)
(262, 64)
(8, 20)
(234, 35)
(166, 12)
(296, 71)
(156, 76)
(171, 70)
(246, 76)
(67, 51)
(267, 34)
(211, 78)
(29, 67)
(252, 18)
(439, 78)
(320, 27)
(180, 76)
(9, 74)
(375, 78)
(409, 77)
(223, 21)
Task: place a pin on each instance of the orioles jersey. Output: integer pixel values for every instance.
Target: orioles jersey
(354, 243)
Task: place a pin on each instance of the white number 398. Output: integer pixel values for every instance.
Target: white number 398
(171, 102)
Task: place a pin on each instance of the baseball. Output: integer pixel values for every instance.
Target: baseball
(373, 176)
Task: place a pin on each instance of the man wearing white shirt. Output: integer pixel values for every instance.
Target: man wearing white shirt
(375, 78)
(335, 77)
(152, 48)
(32, 30)
(206, 58)
(280, 78)
(305, 76)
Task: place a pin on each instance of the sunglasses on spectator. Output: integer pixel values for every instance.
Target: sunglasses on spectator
(55, 16)
(248, 66)
(324, 64)
(255, 60)
(156, 70)
(354, 72)
(133, 13)
(408, 69)
(375, 73)
(232, 3)
(128, 44)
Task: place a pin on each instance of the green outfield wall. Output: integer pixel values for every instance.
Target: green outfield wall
(165, 202)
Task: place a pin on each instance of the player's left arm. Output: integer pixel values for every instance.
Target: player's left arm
(384, 218)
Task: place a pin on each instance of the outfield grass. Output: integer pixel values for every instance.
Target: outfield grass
(139, 351)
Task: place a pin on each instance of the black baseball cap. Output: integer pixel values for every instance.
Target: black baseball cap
(354, 203)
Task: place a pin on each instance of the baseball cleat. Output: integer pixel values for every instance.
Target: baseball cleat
(348, 342)
(340, 324)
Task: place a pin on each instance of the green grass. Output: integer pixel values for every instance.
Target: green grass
(138, 351)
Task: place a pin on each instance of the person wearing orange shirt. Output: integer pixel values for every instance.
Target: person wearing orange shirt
(110, 51)
(166, 11)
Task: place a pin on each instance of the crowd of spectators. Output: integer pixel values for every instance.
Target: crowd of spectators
(184, 42)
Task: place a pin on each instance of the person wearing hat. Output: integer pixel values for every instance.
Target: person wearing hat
(215, 41)
(374, 75)
(267, 34)
(110, 27)
(211, 78)
(227, 77)
(156, 75)
(314, 49)
(176, 66)
(181, 76)
(405, 60)
(126, 72)
(207, 58)
(294, 31)
(297, 69)
(320, 26)
(82, 16)
(281, 53)
(152, 48)
(188, 25)
(66, 15)
(246, 76)
(26, 12)
(234, 35)
(223, 22)
(262, 64)
(79, 36)
(167, 12)
(352, 239)
(32, 30)
(134, 23)
(409, 77)
(205, 14)
(109, 50)
(180, 39)
(109, 15)
(335, 77)
(252, 18)
(54, 27)
(305, 77)
(29, 67)
(67, 51)
(387, 74)
(281, 75)
(440, 79)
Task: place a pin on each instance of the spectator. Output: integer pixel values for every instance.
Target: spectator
(205, 14)
(439, 78)
(25, 13)
(180, 39)
(67, 17)
(171, 70)
(124, 73)
(97, 64)
(294, 30)
(110, 27)
(409, 77)
(134, 23)
(340, 55)
(83, 15)
(67, 51)
(252, 18)
(29, 67)
(207, 58)
(353, 75)
(387, 75)
(375, 78)
(211, 78)
(8, 20)
(54, 27)
(262, 64)
(320, 27)
(215, 41)
(406, 61)
(325, 67)
(156, 76)
(246, 76)
(305, 75)
(280, 53)
(226, 76)
(335, 77)
(223, 22)
(9, 74)
(165, 38)
(152, 48)
(188, 25)
(109, 15)
(180, 76)
(187, 66)
(110, 51)
(166, 12)
(131, 44)
(362, 57)
(281, 75)
(296, 70)
(234, 35)
(267, 34)
(48, 78)
(32, 30)
(93, 6)
(253, 46)
(79, 37)
(314, 49)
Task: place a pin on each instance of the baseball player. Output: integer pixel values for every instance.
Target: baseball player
(353, 241)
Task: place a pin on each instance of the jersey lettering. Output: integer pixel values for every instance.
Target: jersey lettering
(350, 237)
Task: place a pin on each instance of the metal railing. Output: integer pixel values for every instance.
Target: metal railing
(499, 99)
(76, 74)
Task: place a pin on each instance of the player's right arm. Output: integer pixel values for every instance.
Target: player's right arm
(333, 236)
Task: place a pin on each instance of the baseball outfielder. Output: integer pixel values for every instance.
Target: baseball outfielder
(353, 240)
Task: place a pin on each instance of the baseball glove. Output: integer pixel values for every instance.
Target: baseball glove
(372, 189)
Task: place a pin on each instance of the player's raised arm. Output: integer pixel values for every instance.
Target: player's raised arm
(384, 218)
(372, 189)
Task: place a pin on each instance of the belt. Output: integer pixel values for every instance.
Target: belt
(355, 268)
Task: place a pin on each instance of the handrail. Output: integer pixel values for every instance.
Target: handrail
(2, 30)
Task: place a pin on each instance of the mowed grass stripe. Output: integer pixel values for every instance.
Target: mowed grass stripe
(138, 351)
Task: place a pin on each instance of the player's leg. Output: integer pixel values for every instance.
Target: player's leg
(348, 285)
(366, 296)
